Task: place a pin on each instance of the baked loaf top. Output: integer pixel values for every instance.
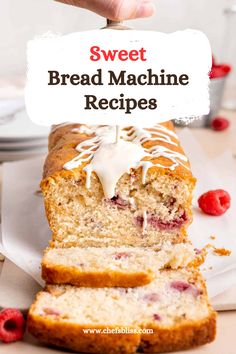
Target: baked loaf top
(161, 141)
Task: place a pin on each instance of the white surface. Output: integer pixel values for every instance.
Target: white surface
(26, 233)
(24, 246)
(218, 173)
(18, 289)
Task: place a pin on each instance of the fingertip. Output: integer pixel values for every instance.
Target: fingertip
(146, 9)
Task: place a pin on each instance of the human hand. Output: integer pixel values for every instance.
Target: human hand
(116, 10)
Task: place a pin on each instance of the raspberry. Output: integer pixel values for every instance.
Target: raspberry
(156, 317)
(219, 123)
(180, 285)
(119, 202)
(121, 255)
(157, 223)
(152, 297)
(12, 325)
(214, 202)
(219, 71)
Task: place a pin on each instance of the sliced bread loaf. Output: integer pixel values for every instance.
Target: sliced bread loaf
(171, 313)
(114, 266)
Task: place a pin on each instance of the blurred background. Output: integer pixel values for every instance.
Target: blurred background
(23, 20)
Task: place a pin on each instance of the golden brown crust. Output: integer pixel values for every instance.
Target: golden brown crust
(189, 334)
(71, 336)
(182, 337)
(59, 274)
(198, 260)
(62, 143)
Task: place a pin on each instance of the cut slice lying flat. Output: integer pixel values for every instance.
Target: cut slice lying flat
(114, 266)
(174, 309)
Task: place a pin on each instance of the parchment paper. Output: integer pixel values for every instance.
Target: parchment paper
(219, 173)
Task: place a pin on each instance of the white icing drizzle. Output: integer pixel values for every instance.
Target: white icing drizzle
(145, 167)
(112, 160)
(144, 220)
(88, 169)
(110, 157)
(118, 130)
(132, 202)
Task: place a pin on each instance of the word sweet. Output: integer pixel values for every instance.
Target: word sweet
(115, 54)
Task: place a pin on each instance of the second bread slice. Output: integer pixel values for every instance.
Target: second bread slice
(114, 266)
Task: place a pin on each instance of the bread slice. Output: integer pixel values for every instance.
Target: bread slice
(151, 203)
(171, 313)
(114, 266)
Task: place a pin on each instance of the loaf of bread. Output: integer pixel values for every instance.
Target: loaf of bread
(99, 193)
(114, 266)
(171, 313)
(123, 276)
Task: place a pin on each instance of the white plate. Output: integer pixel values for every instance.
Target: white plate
(20, 127)
(21, 155)
(25, 144)
(8, 107)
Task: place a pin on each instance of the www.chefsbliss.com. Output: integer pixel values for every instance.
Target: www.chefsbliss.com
(122, 78)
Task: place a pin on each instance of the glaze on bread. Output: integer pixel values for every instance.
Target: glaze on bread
(151, 203)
